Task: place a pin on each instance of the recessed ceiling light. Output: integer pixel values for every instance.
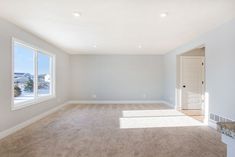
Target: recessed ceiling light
(139, 46)
(76, 14)
(95, 46)
(164, 14)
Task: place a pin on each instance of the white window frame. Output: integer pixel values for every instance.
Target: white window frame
(37, 99)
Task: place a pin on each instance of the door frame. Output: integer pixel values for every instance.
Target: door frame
(181, 80)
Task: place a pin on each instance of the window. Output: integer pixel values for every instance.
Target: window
(33, 75)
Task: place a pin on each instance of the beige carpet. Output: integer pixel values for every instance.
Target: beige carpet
(114, 131)
(195, 114)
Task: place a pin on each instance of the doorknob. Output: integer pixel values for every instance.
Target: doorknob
(184, 86)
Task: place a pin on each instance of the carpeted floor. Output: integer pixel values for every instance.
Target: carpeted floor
(152, 130)
(196, 114)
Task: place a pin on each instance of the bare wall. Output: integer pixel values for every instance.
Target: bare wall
(116, 77)
(9, 118)
(220, 73)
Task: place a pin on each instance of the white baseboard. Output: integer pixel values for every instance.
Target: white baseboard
(168, 104)
(212, 124)
(30, 121)
(116, 102)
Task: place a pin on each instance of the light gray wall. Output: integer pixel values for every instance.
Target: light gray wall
(220, 73)
(116, 77)
(10, 118)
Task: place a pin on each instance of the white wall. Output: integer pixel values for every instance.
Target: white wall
(220, 69)
(116, 77)
(10, 118)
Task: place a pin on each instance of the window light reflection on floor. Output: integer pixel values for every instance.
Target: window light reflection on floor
(156, 118)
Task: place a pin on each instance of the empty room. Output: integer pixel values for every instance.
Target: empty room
(117, 78)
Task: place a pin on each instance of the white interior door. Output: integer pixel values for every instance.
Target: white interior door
(192, 82)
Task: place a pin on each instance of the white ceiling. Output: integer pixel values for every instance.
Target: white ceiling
(117, 26)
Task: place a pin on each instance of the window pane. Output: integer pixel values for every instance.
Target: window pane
(44, 74)
(23, 73)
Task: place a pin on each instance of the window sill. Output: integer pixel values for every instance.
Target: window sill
(25, 104)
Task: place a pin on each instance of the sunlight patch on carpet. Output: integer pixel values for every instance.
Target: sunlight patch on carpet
(156, 118)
